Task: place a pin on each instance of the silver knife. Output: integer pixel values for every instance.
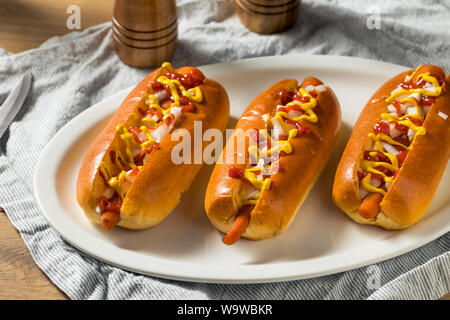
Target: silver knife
(14, 102)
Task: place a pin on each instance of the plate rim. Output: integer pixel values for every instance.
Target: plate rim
(214, 273)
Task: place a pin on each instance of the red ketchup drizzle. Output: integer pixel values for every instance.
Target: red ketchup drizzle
(238, 173)
(186, 104)
(114, 204)
(381, 127)
(428, 100)
(399, 126)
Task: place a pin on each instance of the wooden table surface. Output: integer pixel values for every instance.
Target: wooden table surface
(24, 25)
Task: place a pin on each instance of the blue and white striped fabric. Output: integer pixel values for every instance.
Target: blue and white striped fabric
(77, 70)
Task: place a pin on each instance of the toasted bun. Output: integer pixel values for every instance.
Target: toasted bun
(276, 207)
(411, 193)
(156, 190)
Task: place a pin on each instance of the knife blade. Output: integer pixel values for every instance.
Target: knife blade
(12, 104)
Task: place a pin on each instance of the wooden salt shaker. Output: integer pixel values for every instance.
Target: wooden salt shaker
(145, 31)
(267, 16)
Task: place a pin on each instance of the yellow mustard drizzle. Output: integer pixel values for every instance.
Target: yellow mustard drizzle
(280, 145)
(378, 138)
(194, 94)
(117, 183)
(128, 139)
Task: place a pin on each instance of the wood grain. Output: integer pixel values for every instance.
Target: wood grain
(20, 278)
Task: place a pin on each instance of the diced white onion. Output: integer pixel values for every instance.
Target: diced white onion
(392, 110)
(417, 96)
(390, 149)
(135, 150)
(429, 87)
(160, 132)
(309, 88)
(411, 110)
(149, 124)
(295, 114)
(176, 111)
(375, 182)
(277, 129)
(141, 135)
(411, 134)
(387, 185)
(130, 177)
(126, 185)
(249, 193)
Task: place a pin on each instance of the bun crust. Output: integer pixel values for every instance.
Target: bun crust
(157, 188)
(411, 192)
(276, 207)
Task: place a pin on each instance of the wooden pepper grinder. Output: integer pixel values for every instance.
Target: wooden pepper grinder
(267, 16)
(145, 31)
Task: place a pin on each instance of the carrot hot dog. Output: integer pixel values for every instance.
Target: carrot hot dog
(128, 178)
(398, 151)
(287, 132)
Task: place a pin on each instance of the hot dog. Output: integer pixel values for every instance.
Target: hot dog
(287, 132)
(127, 177)
(398, 151)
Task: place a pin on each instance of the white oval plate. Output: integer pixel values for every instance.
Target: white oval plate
(185, 246)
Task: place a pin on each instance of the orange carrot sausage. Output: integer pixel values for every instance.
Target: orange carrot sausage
(239, 225)
(109, 219)
(370, 205)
